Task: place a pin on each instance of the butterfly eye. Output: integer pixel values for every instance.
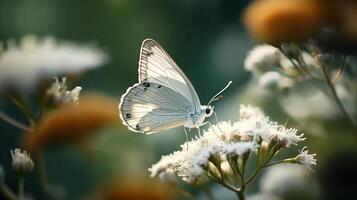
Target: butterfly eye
(208, 111)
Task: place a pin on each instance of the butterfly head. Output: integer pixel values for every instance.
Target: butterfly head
(208, 110)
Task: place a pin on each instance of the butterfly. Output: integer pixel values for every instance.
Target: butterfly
(164, 97)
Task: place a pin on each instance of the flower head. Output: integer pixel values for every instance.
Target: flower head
(221, 142)
(24, 65)
(306, 159)
(58, 91)
(239, 148)
(70, 123)
(283, 137)
(249, 112)
(262, 58)
(165, 168)
(270, 79)
(21, 162)
(194, 157)
(275, 21)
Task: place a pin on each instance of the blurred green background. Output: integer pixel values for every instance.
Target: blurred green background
(205, 38)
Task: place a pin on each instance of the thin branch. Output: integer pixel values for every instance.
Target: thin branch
(14, 122)
(340, 71)
(334, 94)
(275, 163)
(219, 181)
(305, 67)
(7, 193)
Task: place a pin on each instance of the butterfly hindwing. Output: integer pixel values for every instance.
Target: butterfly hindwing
(150, 107)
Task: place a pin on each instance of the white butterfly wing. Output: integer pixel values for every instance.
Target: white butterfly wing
(156, 66)
(151, 107)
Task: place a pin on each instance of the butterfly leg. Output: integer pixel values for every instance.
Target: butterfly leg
(186, 138)
(199, 131)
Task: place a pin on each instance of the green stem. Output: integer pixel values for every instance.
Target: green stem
(43, 173)
(261, 166)
(24, 107)
(219, 181)
(334, 94)
(340, 71)
(303, 65)
(241, 195)
(275, 163)
(21, 186)
(14, 122)
(7, 193)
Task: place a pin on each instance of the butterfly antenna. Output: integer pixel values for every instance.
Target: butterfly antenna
(217, 96)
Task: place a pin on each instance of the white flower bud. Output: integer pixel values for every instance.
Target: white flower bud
(270, 80)
(58, 91)
(262, 58)
(21, 162)
(274, 80)
(306, 159)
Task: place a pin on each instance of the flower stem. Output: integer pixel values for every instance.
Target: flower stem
(340, 71)
(43, 173)
(21, 186)
(334, 94)
(275, 163)
(6, 193)
(241, 195)
(24, 107)
(14, 122)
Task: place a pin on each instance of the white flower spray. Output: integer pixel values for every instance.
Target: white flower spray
(223, 150)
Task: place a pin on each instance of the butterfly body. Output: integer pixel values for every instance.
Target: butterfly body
(195, 120)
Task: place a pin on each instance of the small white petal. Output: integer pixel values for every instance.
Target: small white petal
(239, 148)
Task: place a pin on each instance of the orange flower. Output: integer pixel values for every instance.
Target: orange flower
(275, 21)
(71, 122)
(137, 189)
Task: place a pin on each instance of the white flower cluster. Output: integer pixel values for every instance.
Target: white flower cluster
(21, 162)
(306, 159)
(58, 91)
(25, 64)
(225, 139)
(273, 68)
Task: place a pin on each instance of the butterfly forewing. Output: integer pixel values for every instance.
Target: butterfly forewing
(150, 107)
(157, 66)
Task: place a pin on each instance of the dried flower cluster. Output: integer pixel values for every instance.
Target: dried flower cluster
(58, 91)
(232, 143)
